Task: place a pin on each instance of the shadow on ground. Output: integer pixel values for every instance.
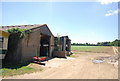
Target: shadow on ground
(10, 65)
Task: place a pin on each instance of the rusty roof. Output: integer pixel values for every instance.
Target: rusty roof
(31, 27)
(21, 26)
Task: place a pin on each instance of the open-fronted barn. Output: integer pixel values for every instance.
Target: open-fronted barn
(39, 41)
(64, 47)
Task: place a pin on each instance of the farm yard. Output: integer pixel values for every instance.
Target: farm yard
(80, 65)
(55, 39)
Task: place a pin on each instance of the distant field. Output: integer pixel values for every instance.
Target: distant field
(95, 49)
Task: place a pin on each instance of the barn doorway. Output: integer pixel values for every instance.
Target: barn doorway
(45, 45)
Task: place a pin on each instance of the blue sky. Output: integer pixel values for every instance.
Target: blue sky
(82, 21)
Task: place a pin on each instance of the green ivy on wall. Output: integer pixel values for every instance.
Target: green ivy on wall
(16, 34)
(20, 33)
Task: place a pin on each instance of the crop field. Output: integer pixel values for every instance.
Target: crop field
(95, 49)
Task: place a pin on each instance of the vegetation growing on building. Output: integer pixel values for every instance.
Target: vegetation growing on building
(58, 43)
(20, 33)
(16, 34)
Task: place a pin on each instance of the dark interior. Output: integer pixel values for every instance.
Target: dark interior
(67, 49)
(44, 49)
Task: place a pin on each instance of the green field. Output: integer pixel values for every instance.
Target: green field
(95, 49)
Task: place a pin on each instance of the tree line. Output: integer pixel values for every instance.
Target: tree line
(113, 43)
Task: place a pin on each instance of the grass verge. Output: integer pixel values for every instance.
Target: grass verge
(6, 72)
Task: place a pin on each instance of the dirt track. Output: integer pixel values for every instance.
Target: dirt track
(80, 67)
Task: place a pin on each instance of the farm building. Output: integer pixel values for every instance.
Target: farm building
(66, 43)
(38, 41)
(64, 47)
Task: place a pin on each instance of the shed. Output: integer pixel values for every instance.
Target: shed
(64, 47)
(39, 42)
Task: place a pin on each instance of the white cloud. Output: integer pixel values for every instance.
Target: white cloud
(111, 12)
(107, 1)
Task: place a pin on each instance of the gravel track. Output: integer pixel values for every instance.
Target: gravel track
(80, 67)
